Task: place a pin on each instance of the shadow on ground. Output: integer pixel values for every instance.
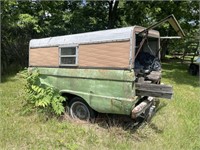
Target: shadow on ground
(8, 78)
(124, 122)
(178, 73)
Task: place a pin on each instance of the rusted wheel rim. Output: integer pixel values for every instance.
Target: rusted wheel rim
(79, 110)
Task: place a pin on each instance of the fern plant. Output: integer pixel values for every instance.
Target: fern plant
(41, 96)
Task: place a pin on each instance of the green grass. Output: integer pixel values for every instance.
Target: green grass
(175, 126)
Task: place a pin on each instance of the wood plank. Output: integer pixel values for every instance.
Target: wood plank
(154, 90)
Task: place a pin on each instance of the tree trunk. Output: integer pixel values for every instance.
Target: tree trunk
(164, 47)
(112, 13)
(4, 61)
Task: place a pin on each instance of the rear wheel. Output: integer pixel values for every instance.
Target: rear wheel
(79, 109)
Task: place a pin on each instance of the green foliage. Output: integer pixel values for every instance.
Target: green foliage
(26, 20)
(40, 96)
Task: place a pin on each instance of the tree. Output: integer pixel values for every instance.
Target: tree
(112, 13)
(186, 12)
(25, 20)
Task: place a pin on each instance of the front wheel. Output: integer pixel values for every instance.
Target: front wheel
(79, 109)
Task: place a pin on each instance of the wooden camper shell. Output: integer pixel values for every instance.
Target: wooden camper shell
(100, 49)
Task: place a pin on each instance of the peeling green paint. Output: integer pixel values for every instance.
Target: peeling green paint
(106, 91)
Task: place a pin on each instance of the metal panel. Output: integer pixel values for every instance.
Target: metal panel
(113, 35)
(173, 22)
(84, 38)
(151, 33)
(106, 91)
(44, 57)
(131, 45)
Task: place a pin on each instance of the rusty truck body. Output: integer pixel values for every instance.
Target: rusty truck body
(114, 71)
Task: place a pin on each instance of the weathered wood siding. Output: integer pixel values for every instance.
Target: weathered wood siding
(114, 54)
(44, 57)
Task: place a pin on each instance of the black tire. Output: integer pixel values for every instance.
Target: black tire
(193, 69)
(79, 109)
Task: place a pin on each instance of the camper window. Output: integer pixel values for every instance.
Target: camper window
(68, 56)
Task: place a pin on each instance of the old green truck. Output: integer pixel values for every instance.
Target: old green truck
(114, 71)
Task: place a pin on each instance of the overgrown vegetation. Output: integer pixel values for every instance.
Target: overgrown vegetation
(175, 126)
(40, 96)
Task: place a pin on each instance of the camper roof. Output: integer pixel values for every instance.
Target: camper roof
(119, 34)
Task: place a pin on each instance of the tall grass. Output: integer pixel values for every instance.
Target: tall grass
(175, 126)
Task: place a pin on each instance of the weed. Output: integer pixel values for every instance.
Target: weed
(176, 124)
(44, 98)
